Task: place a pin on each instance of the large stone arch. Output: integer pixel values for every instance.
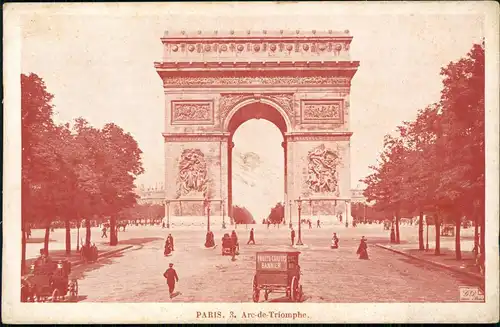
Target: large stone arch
(251, 99)
(254, 107)
(208, 78)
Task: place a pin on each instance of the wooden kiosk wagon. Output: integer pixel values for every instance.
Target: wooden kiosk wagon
(277, 272)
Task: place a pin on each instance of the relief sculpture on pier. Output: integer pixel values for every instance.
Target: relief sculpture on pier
(192, 172)
(322, 170)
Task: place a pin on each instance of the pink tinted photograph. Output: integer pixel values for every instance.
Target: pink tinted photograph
(186, 159)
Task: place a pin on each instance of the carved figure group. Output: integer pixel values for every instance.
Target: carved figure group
(192, 172)
(322, 170)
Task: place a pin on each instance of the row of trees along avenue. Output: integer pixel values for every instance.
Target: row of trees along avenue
(435, 164)
(72, 171)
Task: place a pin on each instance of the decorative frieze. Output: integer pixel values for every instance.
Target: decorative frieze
(192, 112)
(285, 100)
(314, 137)
(270, 47)
(327, 111)
(228, 101)
(256, 43)
(174, 81)
(195, 137)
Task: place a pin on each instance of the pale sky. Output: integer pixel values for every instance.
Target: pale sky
(101, 68)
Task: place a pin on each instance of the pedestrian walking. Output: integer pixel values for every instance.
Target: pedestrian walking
(252, 239)
(335, 241)
(171, 277)
(318, 224)
(104, 234)
(310, 224)
(171, 241)
(362, 249)
(292, 236)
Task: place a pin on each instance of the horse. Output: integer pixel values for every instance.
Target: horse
(122, 224)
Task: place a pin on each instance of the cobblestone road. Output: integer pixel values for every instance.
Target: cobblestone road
(206, 276)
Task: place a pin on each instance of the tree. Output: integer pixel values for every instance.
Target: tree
(385, 184)
(277, 214)
(420, 176)
(462, 100)
(241, 215)
(36, 129)
(436, 163)
(119, 163)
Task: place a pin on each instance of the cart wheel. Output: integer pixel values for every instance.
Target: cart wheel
(55, 295)
(266, 295)
(256, 291)
(294, 289)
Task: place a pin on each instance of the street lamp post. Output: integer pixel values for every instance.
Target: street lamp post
(299, 241)
(290, 223)
(346, 216)
(284, 216)
(168, 213)
(223, 215)
(207, 205)
(427, 237)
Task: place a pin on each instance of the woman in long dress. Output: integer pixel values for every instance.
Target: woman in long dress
(363, 249)
(168, 248)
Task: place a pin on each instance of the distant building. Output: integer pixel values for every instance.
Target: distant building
(357, 195)
(151, 195)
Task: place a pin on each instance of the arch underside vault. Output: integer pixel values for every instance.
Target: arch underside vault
(206, 101)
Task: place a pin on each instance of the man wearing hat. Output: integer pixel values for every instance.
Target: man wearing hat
(171, 276)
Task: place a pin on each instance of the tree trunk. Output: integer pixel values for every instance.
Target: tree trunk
(88, 232)
(78, 235)
(397, 228)
(46, 239)
(113, 237)
(458, 251)
(23, 251)
(421, 231)
(437, 250)
(68, 236)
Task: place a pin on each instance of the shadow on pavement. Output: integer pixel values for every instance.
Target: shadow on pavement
(285, 299)
(38, 240)
(462, 278)
(139, 241)
(79, 271)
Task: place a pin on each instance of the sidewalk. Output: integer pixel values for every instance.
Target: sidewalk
(445, 260)
(75, 258)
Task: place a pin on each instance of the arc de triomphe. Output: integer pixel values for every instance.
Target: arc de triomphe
(215, 81)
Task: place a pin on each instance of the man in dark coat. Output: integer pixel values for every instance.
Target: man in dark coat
(171, 276)
(252, 239)
(292, 235)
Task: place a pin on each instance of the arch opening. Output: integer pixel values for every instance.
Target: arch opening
(256, 159)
